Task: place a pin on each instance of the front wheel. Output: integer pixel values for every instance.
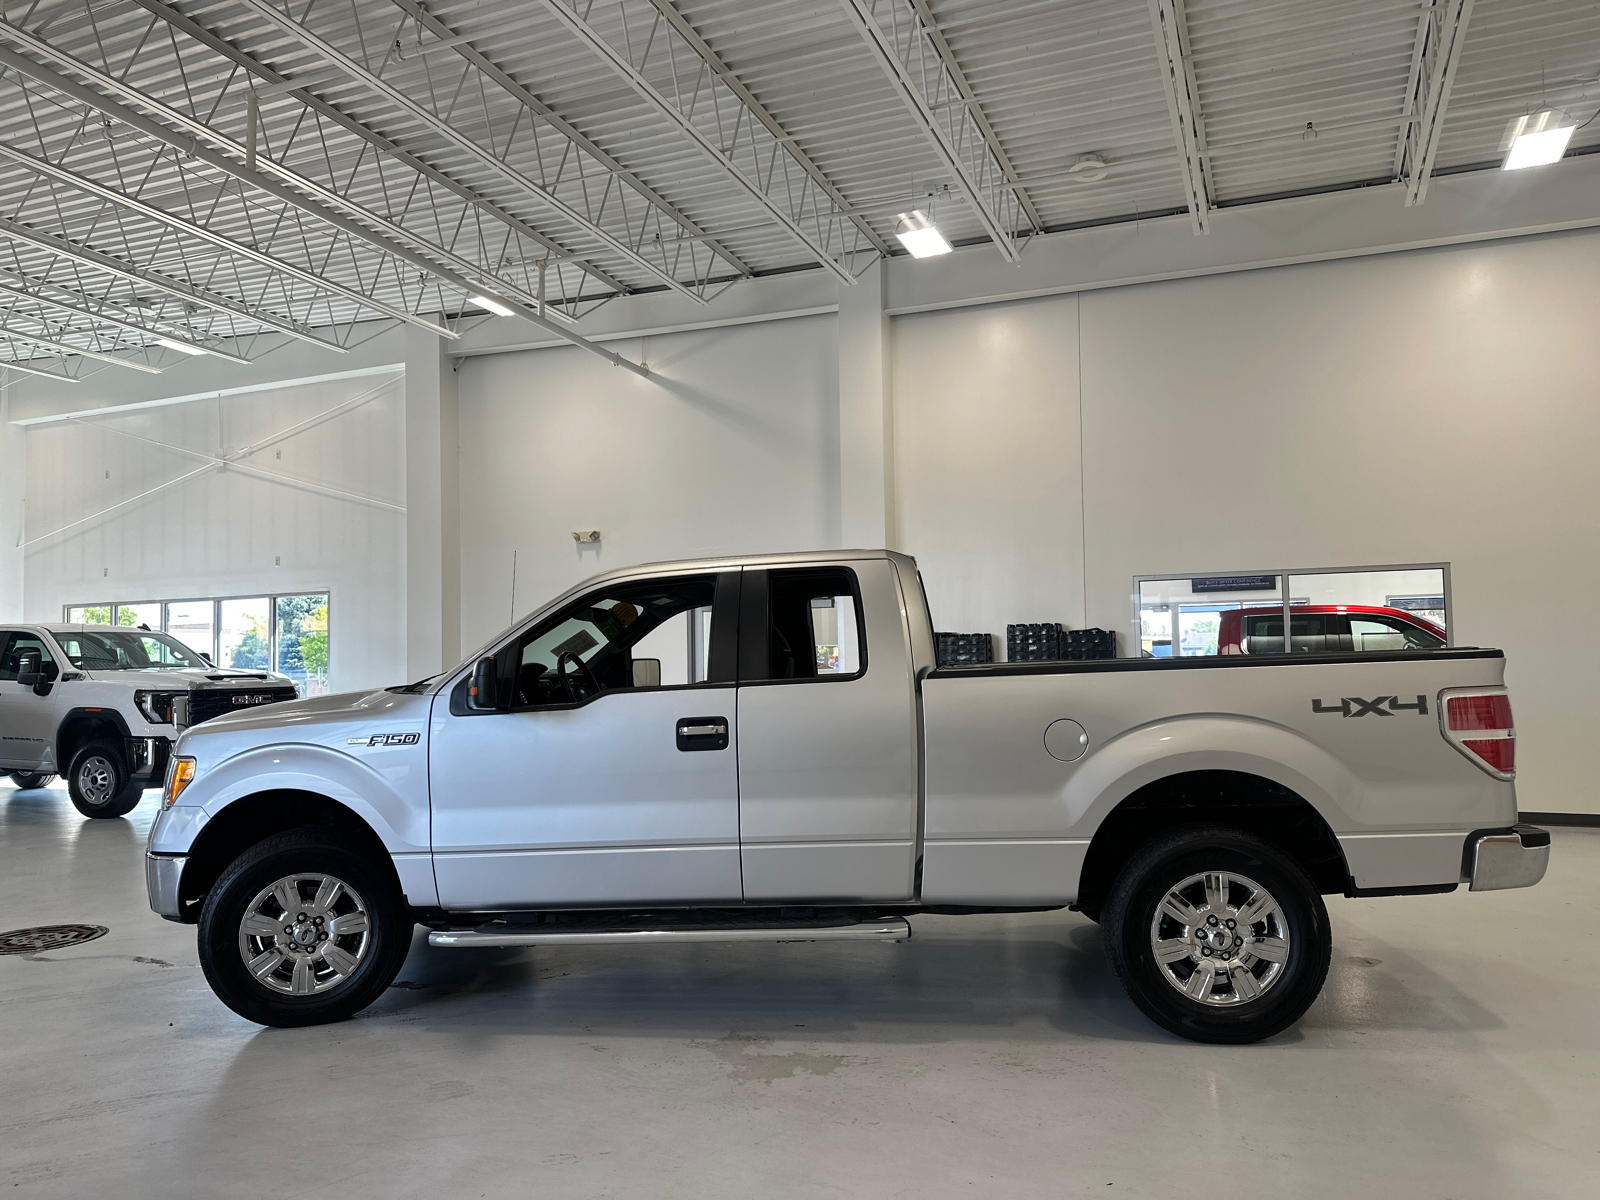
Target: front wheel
(1217, 935)
(300, 931)
(32, 779)
(98, 782)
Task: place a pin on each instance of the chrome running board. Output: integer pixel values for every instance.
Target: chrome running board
(579, 933)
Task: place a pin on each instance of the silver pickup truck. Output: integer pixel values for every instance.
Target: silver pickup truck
(764, 748)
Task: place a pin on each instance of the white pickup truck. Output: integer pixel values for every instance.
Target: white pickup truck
(103, 704)
(763, 748)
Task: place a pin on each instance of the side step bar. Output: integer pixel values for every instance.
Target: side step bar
(498, 933)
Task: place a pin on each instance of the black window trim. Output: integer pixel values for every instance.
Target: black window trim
(721, 657)
(753, 618)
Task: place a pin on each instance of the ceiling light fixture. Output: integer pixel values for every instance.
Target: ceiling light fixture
(494, 306)
(1536, 139)
(181, 347)
(919, 235)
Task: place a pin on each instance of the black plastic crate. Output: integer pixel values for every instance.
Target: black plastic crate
(963, 649)
(1033, 643)
(1080, 644)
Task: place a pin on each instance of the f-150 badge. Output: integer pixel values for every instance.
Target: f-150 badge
(1355, 706)
(387, 739)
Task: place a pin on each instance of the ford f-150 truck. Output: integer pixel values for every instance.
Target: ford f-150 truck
(103, 705)
(736, 749)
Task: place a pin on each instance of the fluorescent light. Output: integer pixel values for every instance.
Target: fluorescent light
(919, 235)
(1537, 139)
(181, 347)
(494, 306)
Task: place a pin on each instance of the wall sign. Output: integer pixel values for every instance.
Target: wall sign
(1234, 583)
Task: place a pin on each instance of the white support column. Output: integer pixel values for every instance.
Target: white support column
(866, 415)
(433, 525)
(13, 487)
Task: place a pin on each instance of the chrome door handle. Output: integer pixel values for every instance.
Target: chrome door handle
(702, 733)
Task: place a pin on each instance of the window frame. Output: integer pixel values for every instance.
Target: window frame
(720, 658)
(1286, 577)
(755, 615)
(213, 651)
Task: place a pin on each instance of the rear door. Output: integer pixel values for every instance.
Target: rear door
(827, 736)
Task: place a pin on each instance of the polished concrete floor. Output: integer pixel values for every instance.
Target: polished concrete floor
(1455, 1053)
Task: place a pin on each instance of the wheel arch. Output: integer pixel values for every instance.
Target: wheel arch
(250, 819)
(1243, 800)
(80, 726)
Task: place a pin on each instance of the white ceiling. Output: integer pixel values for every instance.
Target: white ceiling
(432, 151)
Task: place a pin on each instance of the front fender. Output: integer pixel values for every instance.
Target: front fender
(1209, 742)
(369, 788)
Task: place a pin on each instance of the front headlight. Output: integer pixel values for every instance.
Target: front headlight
(156, 706)
(180, 774)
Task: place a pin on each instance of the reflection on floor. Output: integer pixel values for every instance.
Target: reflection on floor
(1453, 1054)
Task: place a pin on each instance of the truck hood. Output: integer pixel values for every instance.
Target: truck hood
(178, 679)
(331, 721)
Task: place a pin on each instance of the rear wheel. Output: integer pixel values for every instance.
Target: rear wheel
(98, 782)
(32, 779)
(1217, 935)
(299, 931)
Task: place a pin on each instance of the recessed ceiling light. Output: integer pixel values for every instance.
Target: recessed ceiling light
(1536, 139)
(494, 306)
(181, 347)
(919, 235)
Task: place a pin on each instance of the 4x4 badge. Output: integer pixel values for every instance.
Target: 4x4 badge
(1355, 706)
(387, 739)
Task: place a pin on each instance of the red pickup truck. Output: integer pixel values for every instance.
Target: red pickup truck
(1325, 628)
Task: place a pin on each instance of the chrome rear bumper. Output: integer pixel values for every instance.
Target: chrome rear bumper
(1507, 858)
(161, 875)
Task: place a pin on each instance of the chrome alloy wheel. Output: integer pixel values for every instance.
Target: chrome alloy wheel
(304, 934)
(1220, 938)
(97, 780)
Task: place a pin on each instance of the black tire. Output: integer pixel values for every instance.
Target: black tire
(98, 783)
(31, 779)
(1130, 916)
(309, 853)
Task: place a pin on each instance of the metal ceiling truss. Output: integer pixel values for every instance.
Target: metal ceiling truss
(911, 57)
(649, 44)
(1441, 33)
(331, 232)
(975, 110)
(192, 229)
(1183, 106)
(567, 271)
(102, 314)
(571, 182)
(448, 37)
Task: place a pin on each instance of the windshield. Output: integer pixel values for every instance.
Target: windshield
(116, 650)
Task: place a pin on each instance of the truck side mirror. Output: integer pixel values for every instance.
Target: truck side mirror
(646, 672)
(481, 692)
(32, 672)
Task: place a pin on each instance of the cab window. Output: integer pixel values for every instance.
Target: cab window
(1390, 633)
(13, 646)
(625, 637)
(813, 625)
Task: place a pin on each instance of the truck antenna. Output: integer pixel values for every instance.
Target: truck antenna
(513, 587)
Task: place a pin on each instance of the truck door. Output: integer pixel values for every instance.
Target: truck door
(608, 775)
(27, 720)
(827, 736)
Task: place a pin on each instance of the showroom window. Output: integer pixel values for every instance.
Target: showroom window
(1326, 610)
(286, 634)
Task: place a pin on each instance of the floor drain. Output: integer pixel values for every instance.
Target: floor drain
(48, 937)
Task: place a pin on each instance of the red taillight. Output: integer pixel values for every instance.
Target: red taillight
(1479, 724)
(1499, 753)
(1479, 712)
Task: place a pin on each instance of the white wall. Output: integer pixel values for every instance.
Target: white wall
(731, 447)
(987, 462)
(225, 532)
